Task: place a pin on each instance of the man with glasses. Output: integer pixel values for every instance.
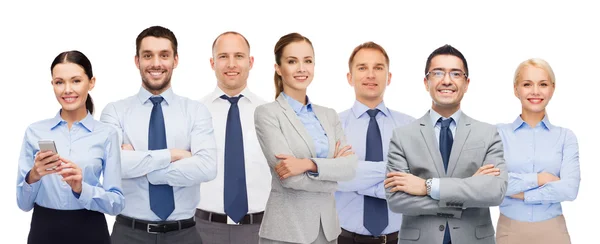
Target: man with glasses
(446, 169)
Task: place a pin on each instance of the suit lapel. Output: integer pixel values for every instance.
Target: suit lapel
(321, 114)
(463, 130)
(297, 124)
(427, 131)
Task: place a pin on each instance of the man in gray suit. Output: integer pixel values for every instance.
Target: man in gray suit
(446, 169)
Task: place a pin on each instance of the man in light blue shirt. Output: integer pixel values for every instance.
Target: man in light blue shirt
(168, 149)
(362, 208)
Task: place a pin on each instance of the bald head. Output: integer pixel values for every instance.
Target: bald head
(231, 34)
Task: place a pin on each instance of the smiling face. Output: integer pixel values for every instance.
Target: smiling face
(231, 62)
(71, 86)
(156, 60)
(446, 82)
(534, 89)
(297, 66)
(369, 75)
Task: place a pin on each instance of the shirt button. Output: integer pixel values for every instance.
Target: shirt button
(442, 228)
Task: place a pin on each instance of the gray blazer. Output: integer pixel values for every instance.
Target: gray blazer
(298, 204)
(464, 199)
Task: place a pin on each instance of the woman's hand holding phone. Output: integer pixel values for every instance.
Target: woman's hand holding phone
(45, 163)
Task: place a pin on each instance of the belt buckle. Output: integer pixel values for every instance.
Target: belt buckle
(152, 232)
(384, 239)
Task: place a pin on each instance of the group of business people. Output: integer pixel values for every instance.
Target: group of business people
(233, 168)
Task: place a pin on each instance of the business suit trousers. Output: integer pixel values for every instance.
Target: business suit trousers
(552, 231)
(320, 239)
(122, 234)
(220, 233)
(49, 226)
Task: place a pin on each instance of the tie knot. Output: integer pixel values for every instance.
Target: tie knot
(156, 100)
(445, 122)
(372, 112)
(232, 100)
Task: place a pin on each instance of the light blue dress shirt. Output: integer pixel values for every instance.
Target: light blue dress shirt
(312, 125)
(529, 151)
(435, 116)
(188, 126)
(93, 146)
(369, 175)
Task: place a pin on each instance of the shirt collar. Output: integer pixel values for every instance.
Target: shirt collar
(434, 116)
(217, 93)
(297, 106)
(144, 95)
(519, 123)
(358, 109)
(88, 122)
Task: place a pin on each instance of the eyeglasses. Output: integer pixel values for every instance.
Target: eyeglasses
(455, 75)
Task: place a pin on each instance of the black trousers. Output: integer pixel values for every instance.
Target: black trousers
(49, 226)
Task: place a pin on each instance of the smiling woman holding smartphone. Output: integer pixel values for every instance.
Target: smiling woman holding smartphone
(63, 187)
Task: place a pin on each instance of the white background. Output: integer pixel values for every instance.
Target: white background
(494, 37)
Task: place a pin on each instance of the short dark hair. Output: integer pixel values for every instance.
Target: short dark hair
(447, 50)
(233, 33)
(158, 32)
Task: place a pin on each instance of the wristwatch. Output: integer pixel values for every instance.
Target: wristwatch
(428, 186)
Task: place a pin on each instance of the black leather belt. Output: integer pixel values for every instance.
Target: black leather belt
(156, 227)
(370, 239)
(248, 219)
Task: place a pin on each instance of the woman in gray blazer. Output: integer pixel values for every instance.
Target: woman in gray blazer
(306, 150)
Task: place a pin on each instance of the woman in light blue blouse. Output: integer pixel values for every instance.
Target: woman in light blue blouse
(543, 164)
(305, 147)
(64, 190)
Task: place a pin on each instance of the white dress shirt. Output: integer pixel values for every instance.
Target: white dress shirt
(188, 127)
(258, 175)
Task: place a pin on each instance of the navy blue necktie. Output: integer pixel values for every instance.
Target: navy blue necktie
(162, 201)
(235, 196)
(375, 212)
(446, 141)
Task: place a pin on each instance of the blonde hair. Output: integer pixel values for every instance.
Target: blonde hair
(534, 62)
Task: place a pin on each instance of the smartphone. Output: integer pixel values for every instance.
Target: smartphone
(48, 145)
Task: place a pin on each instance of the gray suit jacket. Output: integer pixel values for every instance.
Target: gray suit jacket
(297, 205)
(464, 199)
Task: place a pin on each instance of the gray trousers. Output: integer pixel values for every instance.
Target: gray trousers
(122, 234)
(219, 233)
(320, 239)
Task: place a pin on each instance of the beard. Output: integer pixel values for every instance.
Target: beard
(156, 86)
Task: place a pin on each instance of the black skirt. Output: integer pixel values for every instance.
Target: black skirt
(50, 226)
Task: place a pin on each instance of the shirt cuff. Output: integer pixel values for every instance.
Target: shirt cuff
(533, 196)
(435, 188)
(85, 195)
(313, 174)
(29, 187)
(158, 177)
(162, 158)
(531, 180)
